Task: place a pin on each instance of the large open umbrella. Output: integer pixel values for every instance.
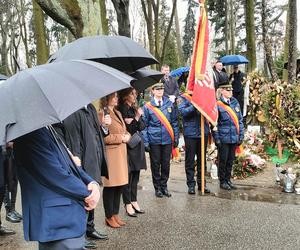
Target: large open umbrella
(179, 71)
(118, 52)
(233, 60)
(3, 77)
(145, 78)
(47, 94)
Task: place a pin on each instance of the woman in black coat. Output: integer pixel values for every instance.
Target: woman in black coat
(136, 155)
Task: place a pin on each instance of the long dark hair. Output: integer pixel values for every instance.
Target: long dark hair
(123, 94)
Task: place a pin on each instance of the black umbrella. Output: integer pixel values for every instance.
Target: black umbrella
(49, 93)
(118, 52)
(3, 77)
(145, 78)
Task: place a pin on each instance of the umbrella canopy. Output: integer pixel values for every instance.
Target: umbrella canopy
(118, 52)
(179, 71)
(145, 78)
(3, 77)
(47, 94)
(233, 60)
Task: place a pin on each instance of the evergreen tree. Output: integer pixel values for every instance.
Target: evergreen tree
(189, 31)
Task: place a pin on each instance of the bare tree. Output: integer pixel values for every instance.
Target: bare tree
(81, 17)
(292, 55)
(267, 43)
(250, 34)
(121, 7)
(42, 50)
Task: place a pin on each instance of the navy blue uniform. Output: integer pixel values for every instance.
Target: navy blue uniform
(191, 120)
(157, 137)
(227, 138)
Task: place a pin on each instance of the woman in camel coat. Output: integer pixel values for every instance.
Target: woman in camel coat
(116, 152)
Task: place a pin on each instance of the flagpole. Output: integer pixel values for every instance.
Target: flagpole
(202, 154)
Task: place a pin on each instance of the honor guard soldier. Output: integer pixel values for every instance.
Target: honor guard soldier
(191, 118)
(229, 133)
(160, 136)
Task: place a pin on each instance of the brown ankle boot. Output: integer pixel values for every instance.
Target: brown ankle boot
(112, 222)
(118, 220)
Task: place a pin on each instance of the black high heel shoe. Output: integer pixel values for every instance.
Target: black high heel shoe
(141, 211)
(129, 214)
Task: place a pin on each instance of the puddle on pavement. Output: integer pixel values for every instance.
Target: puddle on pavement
(252, 193)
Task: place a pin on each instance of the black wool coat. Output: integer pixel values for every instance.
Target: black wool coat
(83, 135)
(136, 156)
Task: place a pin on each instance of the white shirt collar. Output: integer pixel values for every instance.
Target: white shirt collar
(156, 101)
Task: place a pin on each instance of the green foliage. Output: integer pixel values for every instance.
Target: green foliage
(189, 31)
(279, 65)
(282, 109)
(171, 58)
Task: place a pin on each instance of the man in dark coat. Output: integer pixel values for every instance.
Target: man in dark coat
(3, 230)
(170, 84)
(237, 78)
(219, 75)
(84, 137)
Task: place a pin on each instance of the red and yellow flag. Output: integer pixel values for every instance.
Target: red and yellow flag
(204, 96)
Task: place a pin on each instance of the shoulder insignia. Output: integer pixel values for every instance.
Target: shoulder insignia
(237, 109)
(169, 110)
(179, 101)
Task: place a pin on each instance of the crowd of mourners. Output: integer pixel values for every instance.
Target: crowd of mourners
(61, 167)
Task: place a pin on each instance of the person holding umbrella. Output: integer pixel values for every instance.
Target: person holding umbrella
(116, 152)
(160, 136)
(55, 192)
(237, 78)
(135, 150)
(83, 136)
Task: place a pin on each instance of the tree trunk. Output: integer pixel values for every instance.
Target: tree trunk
(81, 17)
(232, 29)
(250, 34)
(24, 32)
(267, 43)
(163, 51)
(155, 7)
(42, 52)
(147, 10)
(104, 19)
(286, 46)
(178, 36)
(121, 7)
(292, 55)
(226, 30)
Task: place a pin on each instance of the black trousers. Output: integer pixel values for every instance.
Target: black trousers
(130, 190)
(226, 156)
(111, 200)
(160, 156)
(192, 149)
(2, 192)
(11, 181)
(240, 97)
(90, 226)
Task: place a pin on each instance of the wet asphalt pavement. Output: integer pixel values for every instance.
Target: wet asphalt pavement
(256, 216)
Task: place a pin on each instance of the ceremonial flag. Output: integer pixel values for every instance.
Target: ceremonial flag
(204, 95)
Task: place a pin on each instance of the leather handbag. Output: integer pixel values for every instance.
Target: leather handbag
(135, 139)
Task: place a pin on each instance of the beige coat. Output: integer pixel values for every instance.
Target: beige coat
(116, 152)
